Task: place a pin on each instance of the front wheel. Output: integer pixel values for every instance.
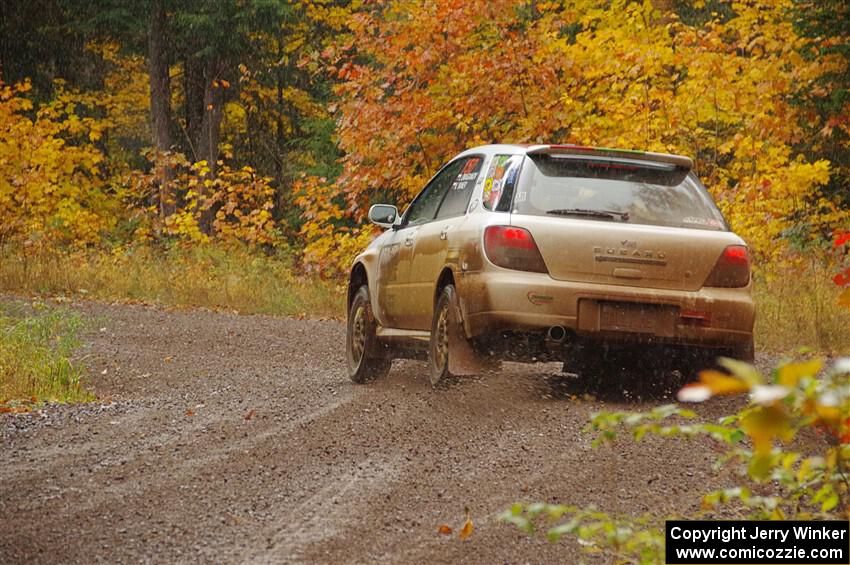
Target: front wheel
(364, 355)
(444, 322)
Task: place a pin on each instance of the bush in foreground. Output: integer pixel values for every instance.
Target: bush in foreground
(790, 444)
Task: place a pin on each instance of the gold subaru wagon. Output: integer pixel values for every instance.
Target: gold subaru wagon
(552, 253)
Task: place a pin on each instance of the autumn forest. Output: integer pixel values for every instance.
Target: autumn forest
(158, 128)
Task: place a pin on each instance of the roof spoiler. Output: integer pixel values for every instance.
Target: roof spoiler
(677, 160)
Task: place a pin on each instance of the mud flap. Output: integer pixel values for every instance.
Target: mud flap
(463, 360)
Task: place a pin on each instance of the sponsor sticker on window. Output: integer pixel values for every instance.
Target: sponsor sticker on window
(500, 181)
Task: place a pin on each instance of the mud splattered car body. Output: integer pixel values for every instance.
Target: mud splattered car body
(550, 251)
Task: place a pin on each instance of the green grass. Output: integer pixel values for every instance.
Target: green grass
(218, 277)
(35, 350)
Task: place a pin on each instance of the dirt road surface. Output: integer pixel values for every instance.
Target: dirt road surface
(239, 439)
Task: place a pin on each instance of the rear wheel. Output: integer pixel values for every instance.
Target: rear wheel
(701, 360)
(696, 360)
(634, 370)
(365, 357)
(745, 351)
(443, 323)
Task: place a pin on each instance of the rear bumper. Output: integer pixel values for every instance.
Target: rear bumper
(503, 300)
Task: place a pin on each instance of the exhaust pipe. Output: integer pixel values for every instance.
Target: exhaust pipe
(556, 334)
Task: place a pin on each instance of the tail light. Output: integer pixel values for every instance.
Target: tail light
(513, 248)
(732, 269)
(695, 317)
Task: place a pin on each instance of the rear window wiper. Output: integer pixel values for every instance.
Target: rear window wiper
(610, 214)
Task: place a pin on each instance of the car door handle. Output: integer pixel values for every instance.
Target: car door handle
(408, 241)
(444, 232)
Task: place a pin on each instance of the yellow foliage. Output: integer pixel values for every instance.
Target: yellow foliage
(720, 383)
(125, 96)
(235, 204)
(51, 190)
(790, 374)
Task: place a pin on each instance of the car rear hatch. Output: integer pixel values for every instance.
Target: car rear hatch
(624, 218)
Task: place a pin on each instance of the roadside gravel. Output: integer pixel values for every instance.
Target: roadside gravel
(239, 439)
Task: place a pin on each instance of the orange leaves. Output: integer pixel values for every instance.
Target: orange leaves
(844, 438)
(15, 409)
(844, 298)
(743, 378)
(719, 383)
(841, 239)
(465, 531)
(434, 77)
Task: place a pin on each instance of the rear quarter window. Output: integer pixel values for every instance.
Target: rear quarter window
(500, 182)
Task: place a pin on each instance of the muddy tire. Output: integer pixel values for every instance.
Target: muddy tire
(744, 352)
(633, 371)
(708, 359)
(587, 361)
(365, 357)
(444, 321)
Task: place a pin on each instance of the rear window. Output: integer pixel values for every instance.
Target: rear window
(630, 190)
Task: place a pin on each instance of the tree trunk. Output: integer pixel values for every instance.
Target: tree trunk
(211, 123)
(208, 139)
(160, 92)
(280, 138)
(193, 86)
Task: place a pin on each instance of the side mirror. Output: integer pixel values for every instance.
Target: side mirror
(383, 215)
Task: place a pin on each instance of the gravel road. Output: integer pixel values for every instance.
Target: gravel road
(239, 439)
